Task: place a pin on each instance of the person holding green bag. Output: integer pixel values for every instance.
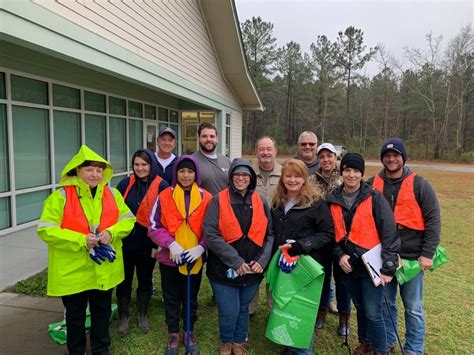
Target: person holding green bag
(83, 222)
(302, 225)
(417, 214)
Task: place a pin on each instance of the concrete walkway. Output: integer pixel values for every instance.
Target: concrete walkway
(24, 324)
(22, 254)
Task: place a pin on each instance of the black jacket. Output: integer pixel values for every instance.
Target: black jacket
(384, 223)
(223, 255)
(137, 240)
(310, 225)
(416, 243)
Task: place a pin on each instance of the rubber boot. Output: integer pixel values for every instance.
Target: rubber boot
(321, 320)
(343, 323)
(123, 305)
(143, 299)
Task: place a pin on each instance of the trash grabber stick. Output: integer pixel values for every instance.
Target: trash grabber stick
(393, 324)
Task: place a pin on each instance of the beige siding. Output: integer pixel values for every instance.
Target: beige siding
(236, 134)
(170, 33)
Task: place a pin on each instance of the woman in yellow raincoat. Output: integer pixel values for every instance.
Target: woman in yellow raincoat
(83, 223)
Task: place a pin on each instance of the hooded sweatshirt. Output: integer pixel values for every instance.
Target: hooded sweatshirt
(223, 255)
(138, 241)
(70, 269)
(156, 231)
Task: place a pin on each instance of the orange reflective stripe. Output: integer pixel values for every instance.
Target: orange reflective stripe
(75, 219)
(363, 229)
(171, 218)
(407, 212)
(229, 226)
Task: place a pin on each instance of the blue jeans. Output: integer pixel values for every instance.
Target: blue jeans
(368, 301)
(411, 293)
(233, 306)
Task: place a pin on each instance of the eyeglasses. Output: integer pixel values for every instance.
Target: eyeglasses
(241, 175)
(305, 144)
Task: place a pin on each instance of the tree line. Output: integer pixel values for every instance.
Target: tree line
(426, 97)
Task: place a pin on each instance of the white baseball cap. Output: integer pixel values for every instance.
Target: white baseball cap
(327, 146)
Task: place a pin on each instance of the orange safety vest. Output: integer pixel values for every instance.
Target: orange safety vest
(407, 212)
(171, 218)
(229, 226)
(363, 229)
(75, 219)
(144, 210)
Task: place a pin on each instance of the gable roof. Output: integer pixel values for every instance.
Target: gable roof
(224, 29)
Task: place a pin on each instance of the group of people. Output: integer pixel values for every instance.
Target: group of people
(199, 209)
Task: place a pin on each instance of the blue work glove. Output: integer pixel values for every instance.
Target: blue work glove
(286, 262)
(97, 255)
(108, 251)
(192, 254)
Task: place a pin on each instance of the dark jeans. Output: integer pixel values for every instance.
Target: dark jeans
(368, 301)
(100, 309)
(343, 297)
(144, 265)
(173, 286)
(233, 305)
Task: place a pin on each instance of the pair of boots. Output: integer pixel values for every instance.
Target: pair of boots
(123, 303)
(232, 348)
(174, 342)
(343, 321)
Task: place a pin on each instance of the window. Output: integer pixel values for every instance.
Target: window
(29, 206)
(4, 179)
(5, 219)
(94, 102)
(135, 109)
(67, 139)
(117, 106)
(150, 112)
(118, 148)
(115, 180)
(3, 92)
(135, 136)
(64, 96)
(174, 117)
(31, 147)
(29, 90)
(95, 134)
(163, 114)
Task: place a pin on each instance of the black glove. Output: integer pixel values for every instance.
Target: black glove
(296, 249)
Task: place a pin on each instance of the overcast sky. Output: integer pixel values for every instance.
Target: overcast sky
(396, 24)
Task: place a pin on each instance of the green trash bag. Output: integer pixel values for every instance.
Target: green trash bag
(296, 298)
(57, 331)
(411, 268)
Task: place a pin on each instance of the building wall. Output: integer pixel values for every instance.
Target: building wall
(171, 34)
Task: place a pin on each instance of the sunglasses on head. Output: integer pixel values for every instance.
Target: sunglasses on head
(305, 144)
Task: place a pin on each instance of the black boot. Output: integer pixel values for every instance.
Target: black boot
(344, 324)
(321, 320)
(143, 299)
(123, 305)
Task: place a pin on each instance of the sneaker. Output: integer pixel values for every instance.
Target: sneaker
(173, 344)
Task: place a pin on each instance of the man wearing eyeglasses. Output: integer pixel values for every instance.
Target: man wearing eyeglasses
(307, 147)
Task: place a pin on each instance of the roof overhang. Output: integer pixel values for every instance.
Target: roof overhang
(224, 29)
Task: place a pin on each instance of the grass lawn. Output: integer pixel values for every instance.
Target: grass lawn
(448, 292)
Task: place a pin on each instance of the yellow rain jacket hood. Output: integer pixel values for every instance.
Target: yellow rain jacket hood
(70, 269)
